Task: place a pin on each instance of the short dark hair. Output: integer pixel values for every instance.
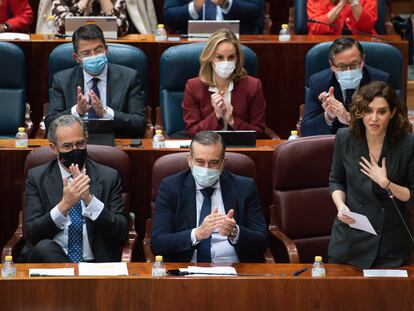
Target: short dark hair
(207, 138)
(342, 44)
(65, 120)
(87, 32)
(397, 126)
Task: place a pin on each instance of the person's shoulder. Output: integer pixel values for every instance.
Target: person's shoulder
(322, 74)
(238, 181)
(377, 74)
(67, 73)
(103, 171)
(176, 180)
(41, 169)
(407, 140)
(121, 69)
(343, 134)
(249, 80)
(195, 82)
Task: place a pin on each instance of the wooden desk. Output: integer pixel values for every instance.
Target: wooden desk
(281, 68)
(142, 160)
(344, 288)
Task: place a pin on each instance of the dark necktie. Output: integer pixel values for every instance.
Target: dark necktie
(210, 10)
(348, 97)
(92, 113)
(204, 247)
(75, 237)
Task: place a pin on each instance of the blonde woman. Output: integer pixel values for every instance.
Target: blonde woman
(223, 96)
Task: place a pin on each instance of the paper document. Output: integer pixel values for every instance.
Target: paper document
(52, 272)
(209, 271)
(361, 222)
(14, 36)
(385, 273)
(103, 269)
(182, 143)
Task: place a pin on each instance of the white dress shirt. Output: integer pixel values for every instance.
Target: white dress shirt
(102, 85)
(92, 211)
(221, 249)
(220, 11)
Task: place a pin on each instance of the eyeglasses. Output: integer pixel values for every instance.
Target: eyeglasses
(98, 50)
(343, 67)
(70, 146)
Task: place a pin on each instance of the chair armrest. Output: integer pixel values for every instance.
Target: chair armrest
(149, 131)
(301, 112)
(41, 130)
(15, 240)
(269, 132)
(146, 242)
(290, 246)
(28, 124)
(269, 256)
(129, 246)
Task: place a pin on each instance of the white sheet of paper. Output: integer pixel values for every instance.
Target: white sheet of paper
(14, 36)
(52, 272)
(361, 222)
(385, 273)
(103, 269)
(209, 271)
(181, 143)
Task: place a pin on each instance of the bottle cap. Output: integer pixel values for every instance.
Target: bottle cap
(21, 129)
(285, 26)
(160, 26)
(318, 258)
(158, 258)
(50, 17)
(158, 131)
(9, 258)
(294, 132)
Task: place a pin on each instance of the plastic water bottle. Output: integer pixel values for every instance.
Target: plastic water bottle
(22, 141)
(8, 269)
(158, 267)
(51, 28)
(158, 141)
(160, 33)
(318, 269)
(284, 34)
(293, 135)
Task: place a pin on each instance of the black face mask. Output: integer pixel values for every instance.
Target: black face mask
(76, 156)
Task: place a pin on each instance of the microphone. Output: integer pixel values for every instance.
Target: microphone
(391, 196)
(315, 21)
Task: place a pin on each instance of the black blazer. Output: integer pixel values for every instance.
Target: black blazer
(124, 96)
(313, 122)
(175, 217)
(392, 246)
(44, 190)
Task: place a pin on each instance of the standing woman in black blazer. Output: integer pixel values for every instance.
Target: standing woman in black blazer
(374, 154)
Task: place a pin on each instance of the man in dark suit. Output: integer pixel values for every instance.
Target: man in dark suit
(205, 214)
(98, 89)
(331, 90)
(73, 206)
(177, 13)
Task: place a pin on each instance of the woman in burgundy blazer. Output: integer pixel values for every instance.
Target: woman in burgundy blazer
(15, 15)
(223, 96)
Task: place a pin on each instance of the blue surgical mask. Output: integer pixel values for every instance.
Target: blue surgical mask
(349, 79)
(94, 65)
(224, 69)
(205, 177)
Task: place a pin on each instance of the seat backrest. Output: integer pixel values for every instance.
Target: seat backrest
(302, 206)
(301, 17)
(12, 89)
(173, 163)
(375, 55)
(122, 54)
(177, 65)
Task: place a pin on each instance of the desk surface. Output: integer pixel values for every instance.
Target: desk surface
(344, 288)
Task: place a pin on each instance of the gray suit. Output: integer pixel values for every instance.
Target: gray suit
(392, 246)
(124, 96)
(44, 188)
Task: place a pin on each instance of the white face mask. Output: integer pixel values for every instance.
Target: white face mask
(224, 69)
(349, 79)
(205, 177)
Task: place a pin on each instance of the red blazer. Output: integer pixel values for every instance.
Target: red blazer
(246, 98)
(21, 14)
(318, 9)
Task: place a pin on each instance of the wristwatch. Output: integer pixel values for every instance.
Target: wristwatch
(354, 3)
(4, 27)
(225, 5)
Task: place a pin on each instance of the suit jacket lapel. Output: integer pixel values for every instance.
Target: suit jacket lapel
(95, 189)
(54, 184)
(189, 205)
(77, 81)
(227, 193)
(112, 81)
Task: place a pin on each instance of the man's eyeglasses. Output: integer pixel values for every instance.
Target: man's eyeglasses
(70, 146)
(343, 67)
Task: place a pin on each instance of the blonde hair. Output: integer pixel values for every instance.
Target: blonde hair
(206, 68)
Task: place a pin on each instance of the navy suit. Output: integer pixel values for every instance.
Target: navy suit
(175, 217)
(313, 122)
(249, 12)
